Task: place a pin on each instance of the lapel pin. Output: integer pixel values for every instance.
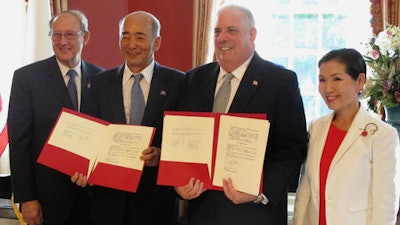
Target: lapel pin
(255, 83)
(163, 93)
(370, 128)
(89, 85)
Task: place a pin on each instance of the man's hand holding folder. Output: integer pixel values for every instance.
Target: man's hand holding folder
(107, 154)
(203, 149)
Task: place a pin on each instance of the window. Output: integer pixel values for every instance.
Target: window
(297, 33)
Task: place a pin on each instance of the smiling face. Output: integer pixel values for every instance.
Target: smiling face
(68, 50)
(234, 37)
(138, 41)
(338, 89)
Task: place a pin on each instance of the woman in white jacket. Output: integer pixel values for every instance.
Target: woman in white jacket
(351, 175)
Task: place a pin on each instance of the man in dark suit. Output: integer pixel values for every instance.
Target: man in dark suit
(257, 86)
(38, 93)
(160, 87)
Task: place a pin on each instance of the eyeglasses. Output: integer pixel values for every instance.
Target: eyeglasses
(70, 35)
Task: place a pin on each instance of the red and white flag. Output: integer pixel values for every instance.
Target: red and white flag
(3, 130)
(30, 27)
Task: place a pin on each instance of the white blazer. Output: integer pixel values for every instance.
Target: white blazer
(363, 182)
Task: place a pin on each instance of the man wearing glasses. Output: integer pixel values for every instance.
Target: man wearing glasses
(38, 93)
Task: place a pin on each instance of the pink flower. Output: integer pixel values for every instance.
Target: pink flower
(375, 54)
(389, 33)
(382, 56)
(397, 95)
(387, 85)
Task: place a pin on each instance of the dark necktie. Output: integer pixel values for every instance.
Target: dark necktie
(223, 94)
(137, 101)
(73, 94)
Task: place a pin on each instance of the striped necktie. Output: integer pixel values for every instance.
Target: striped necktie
(137, 101)
(73, 94)
(223, 94)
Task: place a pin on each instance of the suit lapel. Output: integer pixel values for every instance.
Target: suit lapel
(318, 134)
(200, 88)
(85, 84)
(248, 86)
(157, 94)
(56, 83)
(206, 88)
(115, 92)
(352, 135)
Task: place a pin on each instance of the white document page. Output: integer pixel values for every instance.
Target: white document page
(78, 135)
(240, 153)
(188, 139)
(124, 145)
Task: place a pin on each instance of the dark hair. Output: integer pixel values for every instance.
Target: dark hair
(351, 58)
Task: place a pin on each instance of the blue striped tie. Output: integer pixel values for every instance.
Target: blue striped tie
(73, 94)
(137, 101)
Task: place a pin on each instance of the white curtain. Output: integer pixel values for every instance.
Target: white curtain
(37, 42)
(203, 49)
(24, 40)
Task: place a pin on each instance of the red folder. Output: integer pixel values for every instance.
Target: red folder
(112, 176)
(173, 173)
(116, 177)
(64, 160)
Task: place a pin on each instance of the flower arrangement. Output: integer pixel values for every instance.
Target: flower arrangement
(383, 85)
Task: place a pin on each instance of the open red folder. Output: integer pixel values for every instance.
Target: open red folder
(175, 170)
(108, 154)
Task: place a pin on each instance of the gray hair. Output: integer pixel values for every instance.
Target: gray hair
(247, 14)
(156, 26)
(78, 14)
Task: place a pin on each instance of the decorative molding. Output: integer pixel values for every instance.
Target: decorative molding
(377, 16)
(392, 12)
(202, 15)
(64, 5)
(58, 6)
